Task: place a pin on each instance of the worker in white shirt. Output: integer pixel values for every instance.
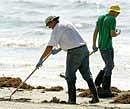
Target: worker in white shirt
(66, 36)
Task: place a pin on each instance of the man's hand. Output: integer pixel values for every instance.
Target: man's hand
(55, 51)
(118, 31)
(39, 64)
(95, 48)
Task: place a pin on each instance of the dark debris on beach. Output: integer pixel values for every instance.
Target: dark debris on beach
(123, 98)
(87, 93)
(118, 95)
(54, 100)
(13, 82)
(16, 100)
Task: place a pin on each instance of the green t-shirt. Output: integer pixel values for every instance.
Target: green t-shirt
(106, 23)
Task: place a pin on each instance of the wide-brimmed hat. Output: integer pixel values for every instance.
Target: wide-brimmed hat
(115, 8)
(51, 18)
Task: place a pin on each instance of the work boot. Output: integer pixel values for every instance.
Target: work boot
(99, 78)
(71, 94)
(72, 97)
(95, 98)
(106, 86)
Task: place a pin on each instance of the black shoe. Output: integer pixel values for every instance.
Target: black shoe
(93, 90)
(106, 86)
(104, 93)
(107, 94)
(94, 100)
(71, 102)
(71, 93)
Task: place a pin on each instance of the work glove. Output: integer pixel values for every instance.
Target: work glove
(95, 49)
(39, 64)
(55, 51)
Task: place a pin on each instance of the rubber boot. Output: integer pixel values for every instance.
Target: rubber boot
(71, 93)
(106, 86)
(95, 98)
(99, 78)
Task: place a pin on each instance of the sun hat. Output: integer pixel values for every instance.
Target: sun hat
(51, 18)
(115, 8)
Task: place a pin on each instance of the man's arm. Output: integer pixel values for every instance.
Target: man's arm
(95, 37)
(115, 33)
(45, 54)
(47, 51)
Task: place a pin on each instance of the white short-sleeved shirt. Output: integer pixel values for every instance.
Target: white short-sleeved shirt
(66, 36)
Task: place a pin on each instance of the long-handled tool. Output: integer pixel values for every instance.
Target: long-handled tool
(28, 76)
(92, 52)
(63, 76)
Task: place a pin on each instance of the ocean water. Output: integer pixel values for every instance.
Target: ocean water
(23, 38)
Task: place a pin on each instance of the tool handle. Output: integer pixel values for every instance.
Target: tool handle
(28, 76)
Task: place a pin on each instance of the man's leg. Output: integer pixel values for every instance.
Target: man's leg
(71, 92)
(71, 80)
(72, 64)
(98, 80)
(86, 74)
(109, 65)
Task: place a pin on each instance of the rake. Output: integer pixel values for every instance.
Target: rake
(27, 77)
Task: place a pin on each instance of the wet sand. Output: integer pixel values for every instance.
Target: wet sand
(39, 99)
(55, 97)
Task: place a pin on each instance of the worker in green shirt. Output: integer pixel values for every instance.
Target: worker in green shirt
(105, 30)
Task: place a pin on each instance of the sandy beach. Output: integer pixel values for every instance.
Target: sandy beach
(41, 99)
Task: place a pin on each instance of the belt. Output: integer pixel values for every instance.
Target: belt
(76, 47)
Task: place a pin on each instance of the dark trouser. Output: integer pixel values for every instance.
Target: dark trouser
(108, 58)
(98, 80)
(104, 76)
(77, 59)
